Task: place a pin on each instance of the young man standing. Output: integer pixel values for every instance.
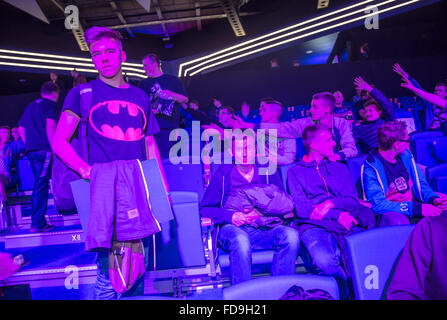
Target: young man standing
(37, 127)
(326, 204)
(322, 110)
(121, 125)
(166, 94)
(394, 184)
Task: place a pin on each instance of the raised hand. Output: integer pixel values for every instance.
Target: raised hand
(398, 69)
(362, 85)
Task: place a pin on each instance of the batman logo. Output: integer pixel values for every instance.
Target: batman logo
(118, 120)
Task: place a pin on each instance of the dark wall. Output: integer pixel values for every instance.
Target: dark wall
(295, 86)
(291, 86)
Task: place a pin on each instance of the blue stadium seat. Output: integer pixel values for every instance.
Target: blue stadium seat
(179, 244)
(437, 177)
(421, 145)
(273, 288)
(184, 177)
(283, 173)
(440, 149)
(300, 149)
(372, 256)
(354, 166)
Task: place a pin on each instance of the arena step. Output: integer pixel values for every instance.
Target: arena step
(56, 272)
(61, 235)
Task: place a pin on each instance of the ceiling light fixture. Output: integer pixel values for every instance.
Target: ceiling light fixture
(62, 62)
(37, 54)
(282, 36)
(37, 66)
(302, 36)
(270, 34)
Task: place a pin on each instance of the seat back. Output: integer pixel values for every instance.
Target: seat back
(372, 257)
(437, 177)
(184, 177)
(273, 288)
(355, 166)
(283, 173)
(439, 146)
(423, 149)
(179, 244)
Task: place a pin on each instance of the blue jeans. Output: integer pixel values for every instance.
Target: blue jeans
(40, 162)
(392, 219)
(325, 254)
(240, 241)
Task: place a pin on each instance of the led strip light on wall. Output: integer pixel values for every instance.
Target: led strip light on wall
(72, 61)
(38, 66)
(287, 40)
(270, 35)
(282, 36)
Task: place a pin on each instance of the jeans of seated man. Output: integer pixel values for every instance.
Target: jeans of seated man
(103, 287)
(240, 241)
(325, 254)
(40, 162)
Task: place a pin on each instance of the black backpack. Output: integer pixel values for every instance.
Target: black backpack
(62, 175)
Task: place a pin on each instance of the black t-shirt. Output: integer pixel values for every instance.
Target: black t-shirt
(118, 122)
(397, 175)
(168, 110)
(34, 120)
(399, 183)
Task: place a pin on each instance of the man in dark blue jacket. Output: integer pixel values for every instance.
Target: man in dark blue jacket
(237, 233)
(326, 204)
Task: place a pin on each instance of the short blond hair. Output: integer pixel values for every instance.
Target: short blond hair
(94, 34)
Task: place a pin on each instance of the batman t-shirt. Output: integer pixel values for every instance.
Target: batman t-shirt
(119, 120)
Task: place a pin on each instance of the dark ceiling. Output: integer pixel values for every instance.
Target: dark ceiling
(170, 40)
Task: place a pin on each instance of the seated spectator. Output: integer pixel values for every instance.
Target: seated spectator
(15, 134)
(394, 184)
(322, 110)
(434, 105)
(326, 204)
(271, 111)
(4, 174)
(10, 152)
(420, 271)
(342, 109)
(224, 116)
(213, 114)
(241, 231)
(244, 114)
(377, 111)
(77, 78)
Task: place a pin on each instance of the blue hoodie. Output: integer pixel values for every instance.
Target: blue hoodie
(375, 186)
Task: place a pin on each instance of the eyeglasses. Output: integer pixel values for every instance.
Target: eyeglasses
(407, 140)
